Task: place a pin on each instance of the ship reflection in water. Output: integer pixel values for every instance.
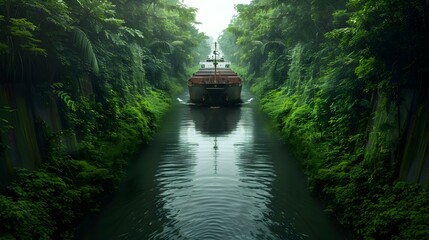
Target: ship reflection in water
(215, 121)
(213, 173)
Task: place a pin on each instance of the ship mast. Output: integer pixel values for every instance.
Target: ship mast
(215, 61)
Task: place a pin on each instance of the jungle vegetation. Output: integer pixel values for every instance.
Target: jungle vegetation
(346, 82)
(82, 83)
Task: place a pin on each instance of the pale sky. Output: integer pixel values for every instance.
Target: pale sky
(214, 15)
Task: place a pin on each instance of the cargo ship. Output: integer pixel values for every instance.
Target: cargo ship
(215, 84)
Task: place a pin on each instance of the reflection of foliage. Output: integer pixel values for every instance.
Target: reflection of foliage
(334, 77)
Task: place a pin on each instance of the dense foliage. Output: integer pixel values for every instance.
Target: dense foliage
(346, 82)
(82, 83)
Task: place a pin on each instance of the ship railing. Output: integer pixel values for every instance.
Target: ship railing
(212, 80)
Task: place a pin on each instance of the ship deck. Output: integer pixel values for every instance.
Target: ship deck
(210, 76)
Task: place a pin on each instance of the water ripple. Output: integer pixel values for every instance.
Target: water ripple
(213, 174)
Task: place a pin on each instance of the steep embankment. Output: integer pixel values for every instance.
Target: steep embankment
(49, 202)
(353, 175)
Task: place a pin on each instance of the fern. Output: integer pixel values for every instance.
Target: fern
(65, 97)
(133, 32)
(23, 30)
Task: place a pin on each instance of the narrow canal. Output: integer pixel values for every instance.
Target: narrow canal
(213, 173)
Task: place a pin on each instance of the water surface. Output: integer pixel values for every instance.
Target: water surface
(213, 173)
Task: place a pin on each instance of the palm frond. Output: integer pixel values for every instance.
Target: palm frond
(163, 46)
(85, 45)
(271, 45)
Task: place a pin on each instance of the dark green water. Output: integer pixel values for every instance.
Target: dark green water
(212, 173)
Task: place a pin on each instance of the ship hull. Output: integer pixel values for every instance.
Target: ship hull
(215, 94)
